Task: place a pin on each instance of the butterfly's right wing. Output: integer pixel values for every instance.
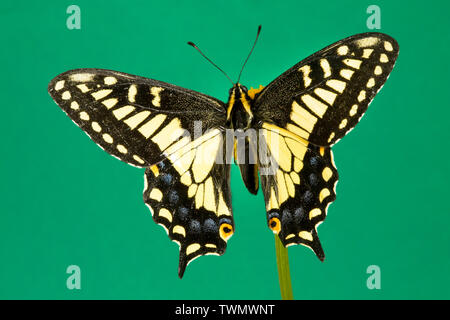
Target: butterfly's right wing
(324, 96)
(305, 111)
(175, 133)
(299, 181)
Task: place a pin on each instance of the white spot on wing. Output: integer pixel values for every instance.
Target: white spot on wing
(101, 94)
(384, 58)
(353, 63)
(138, 159)
(388, 46)
(107, 138)
(367, 53)
(306, 70)
(325, 67)
(122, 149)
(132, 91)
(59, 85)
(96, 127)
(367, 42)
(110, 80)
(342, 50)
(84, 116)
(82, 77)
(346, 73)
(74, 105)
(378, 70)
(122, 112)
(83, 88)
(371, 83)
(135, 120)
(66, 95)
(155, 91)
(337, 85)
(326, 95)
(362, 96)
(109, 103)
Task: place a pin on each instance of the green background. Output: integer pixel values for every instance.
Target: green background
(64, 201)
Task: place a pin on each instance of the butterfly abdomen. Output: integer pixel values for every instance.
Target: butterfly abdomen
(246, 157)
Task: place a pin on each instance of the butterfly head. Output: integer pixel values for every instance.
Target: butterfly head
(236, 92)
(239, 110)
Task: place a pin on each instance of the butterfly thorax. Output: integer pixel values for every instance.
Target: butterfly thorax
(239, 108)
(240, 118)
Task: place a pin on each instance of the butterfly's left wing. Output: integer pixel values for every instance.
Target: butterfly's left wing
(175, 133)
(305, 111)
(133, 118)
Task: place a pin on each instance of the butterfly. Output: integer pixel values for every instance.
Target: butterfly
(280, 134)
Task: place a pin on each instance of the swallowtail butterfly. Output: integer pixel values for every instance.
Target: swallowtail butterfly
(297, 117)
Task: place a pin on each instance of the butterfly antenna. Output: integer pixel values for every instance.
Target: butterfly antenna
(215, 65)
(254, 44)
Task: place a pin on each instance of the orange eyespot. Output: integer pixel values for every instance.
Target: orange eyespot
(226, 231)
(275, 225)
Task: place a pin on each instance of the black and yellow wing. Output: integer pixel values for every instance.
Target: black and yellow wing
(148, 123)
(133, 118)
(323, 97)
(189, 195)
(298, 182)
(305, 111)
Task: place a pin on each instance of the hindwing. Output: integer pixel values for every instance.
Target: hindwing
(298, 181)
(189, 195)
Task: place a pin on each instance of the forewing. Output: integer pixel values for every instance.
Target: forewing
(134, 119)
(298, 180)
(189, 195)
(323, 97)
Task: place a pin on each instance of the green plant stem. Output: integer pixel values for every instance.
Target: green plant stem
(284, 275)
